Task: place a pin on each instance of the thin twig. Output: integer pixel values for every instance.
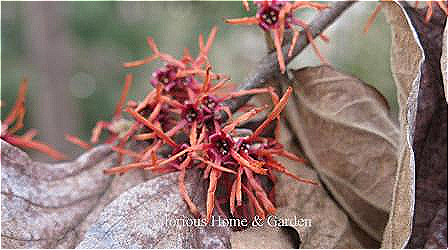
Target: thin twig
(268, 67)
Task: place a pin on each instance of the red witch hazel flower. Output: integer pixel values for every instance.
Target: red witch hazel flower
(15, 117)
(278, 16)
(179, 126)
(178, 76)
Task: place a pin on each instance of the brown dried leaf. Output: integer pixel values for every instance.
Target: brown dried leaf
(118, 185)
(53, 205)
(437, 237)
(43, 205)
(264, 237)
(406, 59)
(71, 193)
(430, 137)
(138, 218)
(346, 131)
(331, 227)
(444, 61)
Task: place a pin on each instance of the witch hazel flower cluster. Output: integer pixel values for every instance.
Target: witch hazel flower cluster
(183, 123)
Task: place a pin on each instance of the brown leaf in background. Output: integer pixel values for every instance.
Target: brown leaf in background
(118, 185)
(69, 195)
(430, 136)
(437, 235)
(265, 237)
(43, 205)
(331, 226)
(406, 59)
(346, 131)
(444, 61)
(142, 216)
(53, 205)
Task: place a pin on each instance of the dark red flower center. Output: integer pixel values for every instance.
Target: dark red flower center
(244, 147)
(191, 113)
(165, 76)
(221, 143)
(269, 16)
(223, 146)
(209, 102)
(185, 80)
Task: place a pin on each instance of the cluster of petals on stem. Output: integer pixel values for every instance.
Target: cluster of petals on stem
(179, 126)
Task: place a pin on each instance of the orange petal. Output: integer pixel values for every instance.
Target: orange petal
(372, 17)
(124, 93)
(147, 123)
(260, 193)
(75, 140)
(20, 101)
(275, 112)
(214, 176)
(126, 168)
(244, 20)
(36, 145)
(183, 191)
(278, 47)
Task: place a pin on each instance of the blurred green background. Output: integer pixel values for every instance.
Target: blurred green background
(71, 52)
